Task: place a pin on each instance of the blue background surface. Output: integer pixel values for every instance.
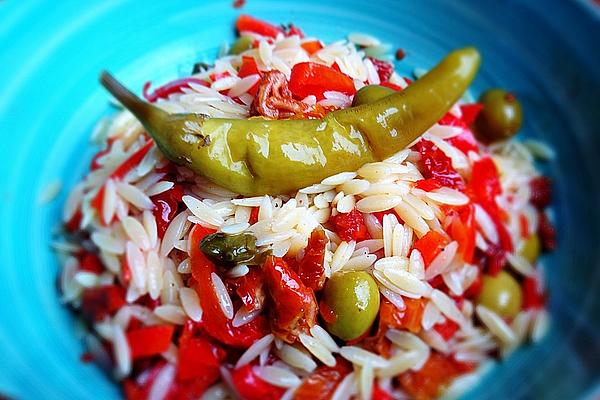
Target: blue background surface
(51, 52)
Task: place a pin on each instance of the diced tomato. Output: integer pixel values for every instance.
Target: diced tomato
(380, 394)
(546, 232)
(166, 205)
(90, 262)
(429, 382)
(198, 358)
(165, 91)
(217, 325)
(541, 192)
(447, 329)
(438, 165)
(384, 69)
(254, 215)
(73, 224)
(350, 226)
(100, 302)
(250, 387)
(294, 307)
(149, 340)
(312, 47)
(322, 382)
(470, 112)
(310, 268)
(475, 288)
(431, 245)
(391, 85)
(246, 23)
(533, 298)
(309, 78)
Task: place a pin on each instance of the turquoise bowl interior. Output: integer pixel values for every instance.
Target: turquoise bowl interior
(51, 52)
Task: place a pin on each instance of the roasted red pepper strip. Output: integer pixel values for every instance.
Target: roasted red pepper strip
(246, 23)
(438, 165)
(198, 358)
(149, 340)
(215, 323)
(175, 86)
(166, 205)
(310, 267)
(250, 289)
(322, 382)
(294, 307)
(310, 78)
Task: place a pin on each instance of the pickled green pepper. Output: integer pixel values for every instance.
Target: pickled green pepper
(259, 156)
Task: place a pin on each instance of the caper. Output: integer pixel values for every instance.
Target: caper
(531, 248)
(501, 294)
(500, 117)
(354, 299)
(242, 44)
(371, 93)
(229, 249)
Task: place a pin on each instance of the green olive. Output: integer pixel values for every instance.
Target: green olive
(229, 249)
(242, 44)
(354, 299)
(531, 248)
(370, 94)
(500, 117)
(501, 294)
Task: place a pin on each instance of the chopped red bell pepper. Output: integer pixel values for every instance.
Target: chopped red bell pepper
(250, 387)
(294, 307)
(249, 67)
(533, 298)
(447, 329)
(546, 232)
(322, 382)
(462, 229)
(430, 246)
(350, 226)
(90, 262)
(428, 184)
(380, 214)
(384, 69)
(165, 91)
(524, 226)
(246, 23)
(409, 318)
(438, 165)
(100, 302)
(430, 380)
(166, 205)
(312, 47)
(139, 389)
(380, 394)
(465, 142)
(310, 268)
(218, 326)
(470, 112)
(198, 358)
(254, 215)
(310, 78)
(292, 30)
(149, 340)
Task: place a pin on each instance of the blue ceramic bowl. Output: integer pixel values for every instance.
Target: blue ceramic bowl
(51, 53)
